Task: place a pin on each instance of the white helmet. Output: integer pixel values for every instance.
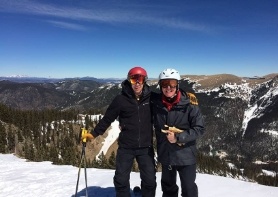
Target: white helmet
(169, 73)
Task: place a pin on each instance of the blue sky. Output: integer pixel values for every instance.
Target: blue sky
(97, 38)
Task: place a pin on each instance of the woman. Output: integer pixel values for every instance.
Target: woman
(178, 122)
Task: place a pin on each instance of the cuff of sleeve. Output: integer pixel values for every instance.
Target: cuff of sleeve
(177, 135)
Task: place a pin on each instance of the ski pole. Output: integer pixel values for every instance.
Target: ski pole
(85, 171)
(83, 157)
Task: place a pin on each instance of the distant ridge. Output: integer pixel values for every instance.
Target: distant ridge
(26, 79)
(200, 78)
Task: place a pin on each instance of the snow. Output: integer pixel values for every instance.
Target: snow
(248, 115)
(19, 177)
(269, 173)
(113, 134)
(242, 91)
(256, 111)
(271, 132)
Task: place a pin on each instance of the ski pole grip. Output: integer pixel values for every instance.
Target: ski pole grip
(84, 131)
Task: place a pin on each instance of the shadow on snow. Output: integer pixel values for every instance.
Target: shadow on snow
(96, 191)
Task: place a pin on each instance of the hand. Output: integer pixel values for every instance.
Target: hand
(173, 129)
(171, 137)
(87, 136)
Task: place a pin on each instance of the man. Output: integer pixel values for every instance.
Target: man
(178, 123)
(132, 107)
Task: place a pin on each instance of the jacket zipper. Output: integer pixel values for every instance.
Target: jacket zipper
(139, 120)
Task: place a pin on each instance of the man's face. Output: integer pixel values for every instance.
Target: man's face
(137, 88)
(137, 83)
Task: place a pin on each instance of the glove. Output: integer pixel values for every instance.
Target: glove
(173, 129)
(87, 136)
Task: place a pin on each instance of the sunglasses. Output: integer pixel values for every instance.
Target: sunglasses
(172, 83)
(136, 79)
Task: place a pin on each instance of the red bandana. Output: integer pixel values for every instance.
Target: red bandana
(168, 104)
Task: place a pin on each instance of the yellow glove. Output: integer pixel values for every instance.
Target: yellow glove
(86, 135)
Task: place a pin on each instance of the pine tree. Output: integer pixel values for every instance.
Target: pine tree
(95, 163)
(112, 161)
(29, 150)
(53, 154)
(3, 139)
(11, 140)
(102, 161)
(68, 151)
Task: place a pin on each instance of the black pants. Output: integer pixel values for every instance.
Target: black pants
(187, 178)
(124, 161)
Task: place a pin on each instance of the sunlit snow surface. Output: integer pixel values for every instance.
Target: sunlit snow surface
(19, 178)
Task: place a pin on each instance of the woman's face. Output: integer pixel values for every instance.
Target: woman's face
(169, 87)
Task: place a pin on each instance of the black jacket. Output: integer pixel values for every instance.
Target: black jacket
(184, 116)
(134, 118)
